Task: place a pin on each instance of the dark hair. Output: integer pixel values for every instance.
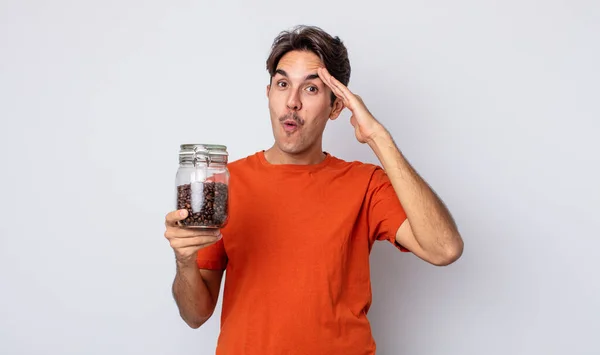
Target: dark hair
(331, 50)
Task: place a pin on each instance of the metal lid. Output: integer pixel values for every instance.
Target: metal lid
(209, 153)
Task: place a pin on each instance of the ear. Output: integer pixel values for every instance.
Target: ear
(268, 89)
(337, 108)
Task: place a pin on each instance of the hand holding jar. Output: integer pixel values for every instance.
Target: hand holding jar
(187, 241)
(202, 200)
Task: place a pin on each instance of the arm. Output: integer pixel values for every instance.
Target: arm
(429, 231)
(196, 292)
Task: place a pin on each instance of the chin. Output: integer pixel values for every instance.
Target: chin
(290, 148)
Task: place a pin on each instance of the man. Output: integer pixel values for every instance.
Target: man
(302, 222)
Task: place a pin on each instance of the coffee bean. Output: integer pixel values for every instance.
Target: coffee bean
(214, 204)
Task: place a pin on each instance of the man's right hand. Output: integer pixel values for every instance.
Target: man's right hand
(187, 241)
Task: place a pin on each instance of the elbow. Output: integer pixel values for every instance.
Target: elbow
(194, 323)
(450, 253)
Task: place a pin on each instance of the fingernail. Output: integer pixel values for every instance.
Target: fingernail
(182, 213)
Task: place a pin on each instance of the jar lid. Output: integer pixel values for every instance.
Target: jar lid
(210, 153)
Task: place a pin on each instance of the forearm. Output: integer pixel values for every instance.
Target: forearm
(192, 295)
(432, 224)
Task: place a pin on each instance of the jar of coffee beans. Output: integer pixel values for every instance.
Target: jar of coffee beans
(203, 185)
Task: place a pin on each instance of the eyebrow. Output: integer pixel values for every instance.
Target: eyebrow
(308, 77)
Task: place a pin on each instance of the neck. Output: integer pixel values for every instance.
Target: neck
(274, 155)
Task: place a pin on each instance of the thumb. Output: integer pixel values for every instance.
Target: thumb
(182, 214)
(175, 216)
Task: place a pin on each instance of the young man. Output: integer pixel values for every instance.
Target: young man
(302, 222)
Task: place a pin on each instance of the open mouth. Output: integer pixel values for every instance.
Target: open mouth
(290, 126)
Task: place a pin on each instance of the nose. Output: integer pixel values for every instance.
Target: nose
(294, 102)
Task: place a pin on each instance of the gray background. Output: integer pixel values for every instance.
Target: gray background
(495, 103)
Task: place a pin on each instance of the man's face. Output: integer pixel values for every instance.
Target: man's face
(299, 103)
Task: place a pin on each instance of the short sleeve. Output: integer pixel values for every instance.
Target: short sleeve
(385, 212)
(212, 257)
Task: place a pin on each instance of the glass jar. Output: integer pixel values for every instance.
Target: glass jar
(202, 182)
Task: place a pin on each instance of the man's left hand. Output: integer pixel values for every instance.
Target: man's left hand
(366, 127)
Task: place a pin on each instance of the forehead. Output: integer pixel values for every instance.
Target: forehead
(299, 63)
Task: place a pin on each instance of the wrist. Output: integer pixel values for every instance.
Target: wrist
(379, 139)
(185, 264)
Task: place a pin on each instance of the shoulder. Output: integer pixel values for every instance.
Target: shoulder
(354, 166)
(357, 169)
(243, 163)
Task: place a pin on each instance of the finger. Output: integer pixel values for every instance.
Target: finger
(339, 94)
(342, 89)
(336, 86)
(175, 216)
(176, 232)
(326, 78)
(186, 252)
(180, 243)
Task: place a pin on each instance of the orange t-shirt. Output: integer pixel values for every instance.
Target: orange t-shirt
(296, 254)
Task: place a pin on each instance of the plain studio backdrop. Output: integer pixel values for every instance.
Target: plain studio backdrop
(496, 104)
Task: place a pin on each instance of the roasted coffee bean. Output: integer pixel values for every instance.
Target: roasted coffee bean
(214, 204)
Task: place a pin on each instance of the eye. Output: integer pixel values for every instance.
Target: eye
(312, 89)
(282, 84)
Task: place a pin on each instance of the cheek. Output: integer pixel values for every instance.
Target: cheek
(313, 104)
(321, 113)
(276, 101)
(273, 105)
